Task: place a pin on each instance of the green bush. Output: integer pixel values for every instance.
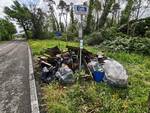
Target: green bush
(95, 38)
(72, 36)
(128, 44)
(115, 41)
(147, 34)
(58, 108)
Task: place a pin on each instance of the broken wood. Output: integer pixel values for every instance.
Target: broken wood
(53, 51)
(84, 51)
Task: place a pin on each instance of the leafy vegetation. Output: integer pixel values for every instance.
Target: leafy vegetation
(88, 96)
(7, 29)
(111, 40)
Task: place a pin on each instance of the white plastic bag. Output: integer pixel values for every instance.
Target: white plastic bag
(115, 73)
(65, 75)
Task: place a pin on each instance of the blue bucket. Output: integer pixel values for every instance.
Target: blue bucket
(98, 76)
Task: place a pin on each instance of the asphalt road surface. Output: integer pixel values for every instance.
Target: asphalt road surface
(14, 78)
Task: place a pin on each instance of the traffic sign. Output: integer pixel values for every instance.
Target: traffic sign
(58, 34)
(81, 9)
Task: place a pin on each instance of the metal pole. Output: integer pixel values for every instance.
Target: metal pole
(81, 41)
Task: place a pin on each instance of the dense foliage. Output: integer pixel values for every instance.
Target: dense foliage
(7, 29)
(112, 40)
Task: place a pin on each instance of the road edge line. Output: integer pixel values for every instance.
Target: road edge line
(33, 91)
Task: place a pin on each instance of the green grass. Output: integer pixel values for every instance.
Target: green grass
(1, 42)
(91, 97)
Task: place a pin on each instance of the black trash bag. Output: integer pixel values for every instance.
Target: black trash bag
(48, 74)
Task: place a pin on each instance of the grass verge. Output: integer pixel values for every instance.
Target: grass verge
(1, 42)
(91, 97)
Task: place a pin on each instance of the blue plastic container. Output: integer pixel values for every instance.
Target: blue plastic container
(98, 76)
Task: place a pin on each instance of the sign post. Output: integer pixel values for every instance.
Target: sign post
(58, 35)
(81, 10)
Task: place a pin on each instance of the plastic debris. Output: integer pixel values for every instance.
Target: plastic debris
(97, 71)
(65, 75)
(115, 73)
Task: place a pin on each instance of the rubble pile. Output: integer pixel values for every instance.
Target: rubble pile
(60, 65)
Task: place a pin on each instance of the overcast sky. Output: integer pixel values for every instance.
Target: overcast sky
(4, 3)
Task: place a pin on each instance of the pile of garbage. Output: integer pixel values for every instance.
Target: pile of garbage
(56, 64)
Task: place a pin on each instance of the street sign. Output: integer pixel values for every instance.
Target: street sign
(81, 9)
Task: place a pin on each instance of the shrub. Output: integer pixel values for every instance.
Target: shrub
(128, 44)
(72, 36)
(147, 34)
(95, 38)
(58, 108)
(115, 41)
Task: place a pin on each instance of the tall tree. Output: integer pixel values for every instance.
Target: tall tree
(127, 12)
(115, 10)
(52, 16)
(72, 26)
(98, 8)
(61, 6)
(88, 28)
(106, 11)
(21, 14)
(72, 14)
(37, 19)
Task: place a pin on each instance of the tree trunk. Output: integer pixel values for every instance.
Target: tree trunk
(105, 13)
(137, 16)
(88, 28)
(25, 30)
(127, 12)
(97, 20)
(55, 21)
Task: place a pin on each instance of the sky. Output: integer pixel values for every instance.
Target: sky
(4, 3)
(8, 3)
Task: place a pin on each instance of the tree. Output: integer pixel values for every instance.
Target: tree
(88, 28)
(21, 14)
(106, 11)
(72, 26)
(54, 21)
(7, 29)
(127, 12)
(115, 10)
(62, 7)
(37, 19)
(71, 14)
(98, 8)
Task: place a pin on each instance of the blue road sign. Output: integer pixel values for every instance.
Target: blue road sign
(58, 34)
(81, 9)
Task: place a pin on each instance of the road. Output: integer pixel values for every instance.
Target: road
(14, 78)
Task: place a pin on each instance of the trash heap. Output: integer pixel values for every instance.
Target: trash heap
(56, 64)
